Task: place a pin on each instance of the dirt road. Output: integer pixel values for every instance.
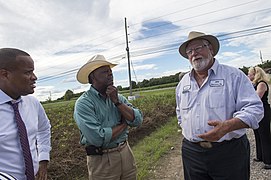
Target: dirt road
(170, 165)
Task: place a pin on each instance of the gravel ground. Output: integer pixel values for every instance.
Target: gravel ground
(257, 172)
(169, 166)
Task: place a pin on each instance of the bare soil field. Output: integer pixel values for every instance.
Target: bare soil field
(68, 157)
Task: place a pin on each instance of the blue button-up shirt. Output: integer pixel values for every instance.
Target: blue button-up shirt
(96, 116)
(225, 93)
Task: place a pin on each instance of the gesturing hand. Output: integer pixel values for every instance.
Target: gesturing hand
(216, 133)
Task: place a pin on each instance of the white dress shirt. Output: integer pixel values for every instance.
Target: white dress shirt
(225, 93)
(38, 131)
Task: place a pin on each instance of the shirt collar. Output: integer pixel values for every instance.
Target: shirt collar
(4, 98)
(93, 90)
(213, 69)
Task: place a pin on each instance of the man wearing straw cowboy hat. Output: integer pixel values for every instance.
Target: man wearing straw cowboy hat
(103, 116)
(215, 105)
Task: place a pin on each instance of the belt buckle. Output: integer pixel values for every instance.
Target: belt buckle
(120, 145)
(206, 144)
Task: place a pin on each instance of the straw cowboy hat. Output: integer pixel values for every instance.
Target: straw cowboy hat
(199, 35)
(94, 63)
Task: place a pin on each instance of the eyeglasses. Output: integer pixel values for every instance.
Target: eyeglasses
(196, 49)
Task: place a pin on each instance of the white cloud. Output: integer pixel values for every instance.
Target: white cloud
(62, 35)
(230, 54)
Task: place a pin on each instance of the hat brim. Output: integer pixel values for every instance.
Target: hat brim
(212, 40)
(84, 71)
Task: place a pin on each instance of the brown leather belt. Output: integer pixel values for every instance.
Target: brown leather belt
(118, 148)
(208, 145)
(205, 144)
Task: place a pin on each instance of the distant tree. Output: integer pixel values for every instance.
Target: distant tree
(265, 65)
(78, 94)
(181, 74)
(60, 99)
(49, 99)
(134, 85)
(244, 69)
(119, 88)
(144, 83)
(68, 95)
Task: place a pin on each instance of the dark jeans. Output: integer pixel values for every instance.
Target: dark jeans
(228, 161)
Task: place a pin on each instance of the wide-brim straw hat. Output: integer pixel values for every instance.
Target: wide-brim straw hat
(94, 63)
(199, 35)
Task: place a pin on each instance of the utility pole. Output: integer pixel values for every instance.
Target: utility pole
(128, 57)
(50, 96)
(261, 57)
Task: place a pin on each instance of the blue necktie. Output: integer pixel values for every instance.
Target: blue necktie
(29, 170)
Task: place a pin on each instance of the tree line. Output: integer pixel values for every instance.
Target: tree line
(266, 65)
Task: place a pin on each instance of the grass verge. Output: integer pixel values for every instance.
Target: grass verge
(148, 151)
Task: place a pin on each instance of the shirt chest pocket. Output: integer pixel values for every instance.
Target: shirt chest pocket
(187, 99)
(105, 118)
(216, 97)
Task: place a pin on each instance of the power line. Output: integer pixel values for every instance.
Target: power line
(182, 10)
(155, 50)
(158, 49)
(114, 46)
(218, 36)
(268, 9)
(250, 34)
(116, 31)
(86, 56)
(174, 46)
(251, 29)
(200, 15)
(164, 48)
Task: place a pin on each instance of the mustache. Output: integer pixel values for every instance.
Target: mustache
(197, 59)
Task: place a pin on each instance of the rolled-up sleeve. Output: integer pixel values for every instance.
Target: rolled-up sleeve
(138, 118)
(249, 105)
(89, 125)
(137, 113)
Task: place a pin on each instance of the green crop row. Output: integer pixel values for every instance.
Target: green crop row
(68, 158)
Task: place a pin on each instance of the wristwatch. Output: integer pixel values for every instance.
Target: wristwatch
(118, 103)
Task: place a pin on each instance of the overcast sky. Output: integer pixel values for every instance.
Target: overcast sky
(62, 35)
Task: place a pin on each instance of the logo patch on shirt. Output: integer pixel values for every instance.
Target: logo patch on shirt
(217, 83)
(186, 88)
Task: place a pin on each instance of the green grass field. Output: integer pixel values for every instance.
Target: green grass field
(148, 151)
(68, 159)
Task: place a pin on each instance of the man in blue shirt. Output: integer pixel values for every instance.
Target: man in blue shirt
(215, 105)
(103, 117)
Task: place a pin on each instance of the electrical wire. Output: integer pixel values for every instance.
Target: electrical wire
(166, 48)
(151, 51)
(211, 22)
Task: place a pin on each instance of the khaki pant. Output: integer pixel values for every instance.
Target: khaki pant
(117, 165)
